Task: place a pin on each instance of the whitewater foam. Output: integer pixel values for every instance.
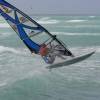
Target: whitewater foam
(92, 16)
(80, 26)
(76, 21)
(73, 34)
(8, 49)
(44, 18)
(3, 84)
(47, 20)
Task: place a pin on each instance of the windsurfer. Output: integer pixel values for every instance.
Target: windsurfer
(44, 52)
(31, 32)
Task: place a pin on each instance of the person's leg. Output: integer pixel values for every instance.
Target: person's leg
(49, 59)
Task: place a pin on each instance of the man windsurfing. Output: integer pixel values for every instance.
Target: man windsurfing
(30, 32)
(50, 53)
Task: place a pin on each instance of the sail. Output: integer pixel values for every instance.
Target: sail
(30, 32)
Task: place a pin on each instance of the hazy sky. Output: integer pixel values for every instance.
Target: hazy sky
(73, 7)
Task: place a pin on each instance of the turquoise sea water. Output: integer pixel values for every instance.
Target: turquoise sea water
(25, 77)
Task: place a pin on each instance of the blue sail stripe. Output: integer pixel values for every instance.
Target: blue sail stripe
(23, 35)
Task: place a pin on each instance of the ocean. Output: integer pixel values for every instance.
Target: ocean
(25, 77)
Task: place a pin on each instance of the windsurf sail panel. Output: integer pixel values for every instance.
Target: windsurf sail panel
(30, 32)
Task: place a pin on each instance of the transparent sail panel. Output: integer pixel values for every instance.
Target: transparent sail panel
(40, 38)
(7, 10)
(24, 20)
(32, 32)
(14, 27)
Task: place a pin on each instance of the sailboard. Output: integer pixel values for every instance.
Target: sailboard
(71, 61)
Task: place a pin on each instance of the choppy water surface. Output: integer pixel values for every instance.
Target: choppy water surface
(25, 77)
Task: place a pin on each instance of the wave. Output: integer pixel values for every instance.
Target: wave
(27, 70)
(47, 20)
(5, 34)
(76, 21)
(77, 34)
(92, 16)
(8, 49)
(44, 18)
(80, 26)
(3, 84)
(19, 51)
(4, 25)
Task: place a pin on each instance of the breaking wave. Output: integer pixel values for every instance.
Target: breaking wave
(76, 21)
(3, 84)
(77, 34)
(44, 18)
(9, 49)
(92, 16)
(47, 20)
(30, 68)
(80, 26)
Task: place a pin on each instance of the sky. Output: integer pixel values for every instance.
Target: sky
(68, 7)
